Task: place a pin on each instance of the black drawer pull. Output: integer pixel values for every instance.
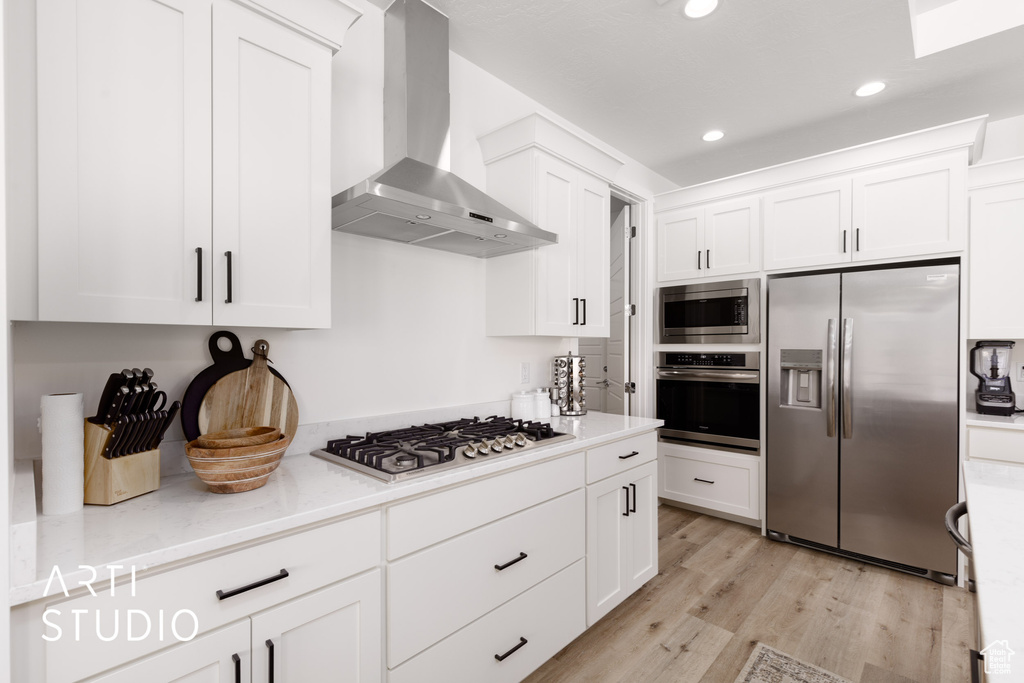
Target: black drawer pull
(224, 595)
(501, 658)
(199, 273)
(499, 567)
(633, 509)
(576, 303)
(270, 662)
(238, 667)
(626, 513)
(706, 481)
(584, 312)
(623, 457)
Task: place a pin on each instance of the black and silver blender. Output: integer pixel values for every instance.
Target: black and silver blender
(994, 395)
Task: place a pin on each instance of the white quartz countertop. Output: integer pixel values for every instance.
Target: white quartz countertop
(183, 519)
(995, 515)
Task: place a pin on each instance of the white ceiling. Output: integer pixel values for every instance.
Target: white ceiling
(776, 75)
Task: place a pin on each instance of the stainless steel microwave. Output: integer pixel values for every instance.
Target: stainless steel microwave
(712, 312)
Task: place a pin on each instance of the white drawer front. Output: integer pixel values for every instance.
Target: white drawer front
(619, 456)
(431, 519)
(548, 616)
(434, 593)
(719, 481)
(1003, 445)
(313, 558)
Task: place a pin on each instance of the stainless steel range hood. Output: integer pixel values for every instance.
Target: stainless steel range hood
(413, 200)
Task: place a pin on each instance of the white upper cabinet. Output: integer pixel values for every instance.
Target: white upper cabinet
(557, 180)
(171, 133)
(722, 238)
(997, 240)
(909, 209)
(807, 225)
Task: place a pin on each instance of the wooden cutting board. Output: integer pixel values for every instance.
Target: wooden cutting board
(236, 392)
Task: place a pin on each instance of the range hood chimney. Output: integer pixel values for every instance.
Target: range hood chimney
(413, 200)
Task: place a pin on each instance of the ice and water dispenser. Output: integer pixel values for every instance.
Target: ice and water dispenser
(800, 383)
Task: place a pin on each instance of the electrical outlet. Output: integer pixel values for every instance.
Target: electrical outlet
(1020, 372)
(524, 373)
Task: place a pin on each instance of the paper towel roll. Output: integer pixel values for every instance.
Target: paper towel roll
(63, 427)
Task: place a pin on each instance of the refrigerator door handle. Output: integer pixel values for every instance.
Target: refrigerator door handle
(847, 378)
(830, 377)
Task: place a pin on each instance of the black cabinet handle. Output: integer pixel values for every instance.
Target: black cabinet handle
(228, 254)
(584, 312)
(707, 259)
(501, 658)
(199, 273)
(844, 241)
(705, 481)
(499, 567)
(698, 259)
(238, 667)
(224, 595)
(576, 303)
(633, 486)
(624, 457)
(858, 239)
(626, 513)
(270, 662)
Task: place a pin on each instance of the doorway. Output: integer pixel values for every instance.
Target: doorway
(609, 360)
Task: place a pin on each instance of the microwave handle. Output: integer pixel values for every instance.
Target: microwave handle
(830, 377)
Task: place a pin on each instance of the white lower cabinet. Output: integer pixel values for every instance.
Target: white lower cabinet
(507, 644)
(332, 631)
(622, 537)
(998, 444)
(727, 482)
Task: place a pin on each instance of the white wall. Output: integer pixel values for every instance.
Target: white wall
(407, 321)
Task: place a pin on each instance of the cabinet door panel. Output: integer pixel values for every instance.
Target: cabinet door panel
(608, 572)
(680, 244)
(594, 245)
(910, 209)
(271, 160)
(556, 271)
(731, 237)
(124, 169)
(644, 521)
(334, 631)
(206, 659)
(997, 240)
(807, 225)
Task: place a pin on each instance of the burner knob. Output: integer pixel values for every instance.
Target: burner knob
(509, 442)
(484, 448)
(521, 440)
(470, 451)
(496, 446)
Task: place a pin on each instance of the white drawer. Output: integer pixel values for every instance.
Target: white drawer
(1002, 445)
(712, 479)
(619, 456)
(438, 591)
(548, 616)
(313, 558)
(425, 521)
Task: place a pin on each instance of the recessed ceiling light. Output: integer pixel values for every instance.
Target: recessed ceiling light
(713, 135)
(695, 9)
(869, 89)
(423, 216)
(501, 236)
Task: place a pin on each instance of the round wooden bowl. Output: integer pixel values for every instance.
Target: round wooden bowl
(235, 438)
(233, 470)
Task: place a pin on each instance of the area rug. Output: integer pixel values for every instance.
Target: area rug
(768, 665)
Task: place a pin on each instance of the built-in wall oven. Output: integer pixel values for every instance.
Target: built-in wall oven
(710, 399)
(711, 313)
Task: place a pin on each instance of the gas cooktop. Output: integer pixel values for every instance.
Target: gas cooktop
(400, 454)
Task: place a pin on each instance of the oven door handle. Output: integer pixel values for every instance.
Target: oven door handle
(711, 375)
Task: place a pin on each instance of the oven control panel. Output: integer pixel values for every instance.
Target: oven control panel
(715, 360)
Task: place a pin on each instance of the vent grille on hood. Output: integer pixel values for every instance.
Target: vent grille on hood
(413, 200)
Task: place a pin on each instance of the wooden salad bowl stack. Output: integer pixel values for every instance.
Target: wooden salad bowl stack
(237, 459)
(243, 417)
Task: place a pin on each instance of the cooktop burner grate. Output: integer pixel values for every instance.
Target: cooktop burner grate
(401, 453)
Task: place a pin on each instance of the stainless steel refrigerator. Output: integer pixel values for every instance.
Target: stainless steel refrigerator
(861, 449)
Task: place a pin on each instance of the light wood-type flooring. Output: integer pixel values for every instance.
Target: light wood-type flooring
(722, 587)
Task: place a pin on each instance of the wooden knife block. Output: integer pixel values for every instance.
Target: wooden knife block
(111, 480)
